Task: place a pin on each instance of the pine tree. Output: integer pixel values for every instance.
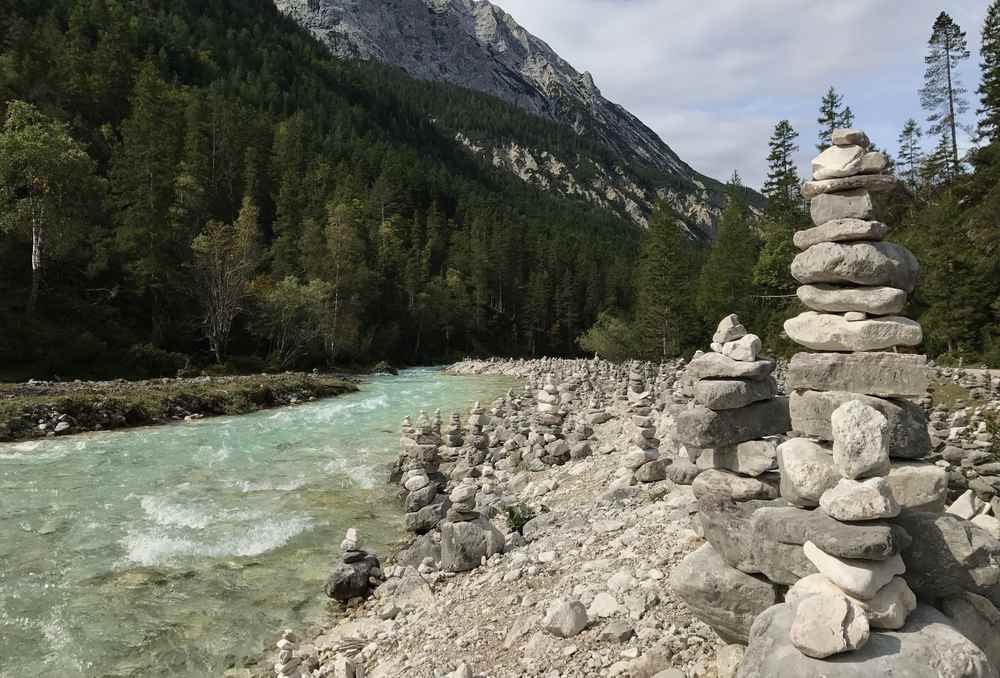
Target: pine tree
(832, 115)
(725, 284)
(667, 319)
(942, 95)
(938, 169)
(911, 155)
(781, 188)
(989, 86)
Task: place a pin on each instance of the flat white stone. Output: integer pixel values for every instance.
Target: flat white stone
(827, 624)
(853, 501)
(887, 610)
(827, 332)
(836, 299)
(858, 578)
(837, 161)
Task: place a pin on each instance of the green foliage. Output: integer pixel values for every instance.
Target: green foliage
(781, 187)
(667, 318)
(832, 115)
(989, 85)
(518, 516)
(725, 284)
(611, 338)
(911, 155)
(942, 95)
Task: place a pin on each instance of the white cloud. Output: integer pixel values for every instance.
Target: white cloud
(712, 77)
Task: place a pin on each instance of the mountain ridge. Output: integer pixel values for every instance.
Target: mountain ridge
(478, 45)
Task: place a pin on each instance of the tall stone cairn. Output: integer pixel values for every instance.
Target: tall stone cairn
(854, 527)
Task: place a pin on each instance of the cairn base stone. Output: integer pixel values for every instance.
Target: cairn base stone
(918, 486)
(721, 596)
(888, 610)
(928, 646)
(868, 541)
(886, 375)
(829, 332)
(908, 436)
(739, 488)
(701, 427)
(465, 544)
(978, 620)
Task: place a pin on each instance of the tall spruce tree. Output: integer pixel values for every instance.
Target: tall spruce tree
(667, 317)
(911, 155)
(725, 284)
(832, 115)
(989, 86)
(781, 188)
(943, 96)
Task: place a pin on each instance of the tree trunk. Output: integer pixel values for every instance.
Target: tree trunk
(951, 111)
(37, 235)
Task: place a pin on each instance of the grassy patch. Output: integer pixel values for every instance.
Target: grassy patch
(90, 406)
(949, 395)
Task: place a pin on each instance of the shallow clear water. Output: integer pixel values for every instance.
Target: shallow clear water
(161, 551)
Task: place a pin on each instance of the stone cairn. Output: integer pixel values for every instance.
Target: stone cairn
(287, 665)
(550, 447)
(453, 436)
(855, 525)
(641, 461)
(357, 574)
(421, 482)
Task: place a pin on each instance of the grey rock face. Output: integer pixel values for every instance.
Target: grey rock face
(355, 579)
(868, 182)
(739, 488)
(701, 427)
(827, 624)
(840, 230)
(835, 299)
(859, 263)
(850, 136)
(928, 646)
(750, 458)
(948, 556)
(908, 436)
(888, 375)
(717, 366)
(721, 596)
(978, 620)
(476, 44)
(869, 541)
(730, 394)
(465, 544)
(848, 205)
(726, 525)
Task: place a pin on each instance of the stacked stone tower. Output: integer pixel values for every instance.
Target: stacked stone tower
(857, 533)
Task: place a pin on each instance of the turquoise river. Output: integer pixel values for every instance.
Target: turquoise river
(179, 549)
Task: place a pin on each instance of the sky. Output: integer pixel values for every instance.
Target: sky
(712, 77)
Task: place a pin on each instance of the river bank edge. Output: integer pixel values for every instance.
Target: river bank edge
(40, 409)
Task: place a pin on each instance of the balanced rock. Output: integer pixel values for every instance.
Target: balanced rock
(888, 375)
(858, 263)
(856, 204)
(807, 471)
(744, 349)
(840, 230)
(849, 136)
(739, 488)
(852, 501)
(730, 329)
(838, 161)
(918, 486)
(827, 332)
(860, 440)
(701, 427)
(836, 299)
(887, 610)
(795, 526)
(928, 646)
(721, 596)
(858, 578)
(749, 458)
(717, 366)
(908, 436)
(874, 183)
(826, 624)
(731, 394)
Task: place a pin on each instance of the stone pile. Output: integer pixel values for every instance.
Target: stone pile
(453, 436)
(418, 470)
(641, 461)
(549, 447)
(857, 533)
(357, 574)
(287, 664)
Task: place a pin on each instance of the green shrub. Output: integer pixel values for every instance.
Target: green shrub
(518, 516)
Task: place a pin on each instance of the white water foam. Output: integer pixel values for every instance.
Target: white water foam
(164, 512)
(157, 547)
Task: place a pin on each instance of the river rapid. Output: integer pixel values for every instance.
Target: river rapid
(177, 550)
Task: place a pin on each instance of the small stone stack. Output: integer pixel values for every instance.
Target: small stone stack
(287, 665)
(641, 461)
(736, 424)
(453, 436)
(476, 421)
(466, 536)
(548, 425)
(463, 502)
(357, 574)
(420, 478)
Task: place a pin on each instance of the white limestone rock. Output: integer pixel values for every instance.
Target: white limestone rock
(854, 501)
(861, 440)
(828, 332)
(730, 329)
(857, 263)
(827, 624)
(887, 610)
(837, 161)
(850, 136)
(807, 471)
(858, 578)
(879, 300)
(745, 349)
(840, 230)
